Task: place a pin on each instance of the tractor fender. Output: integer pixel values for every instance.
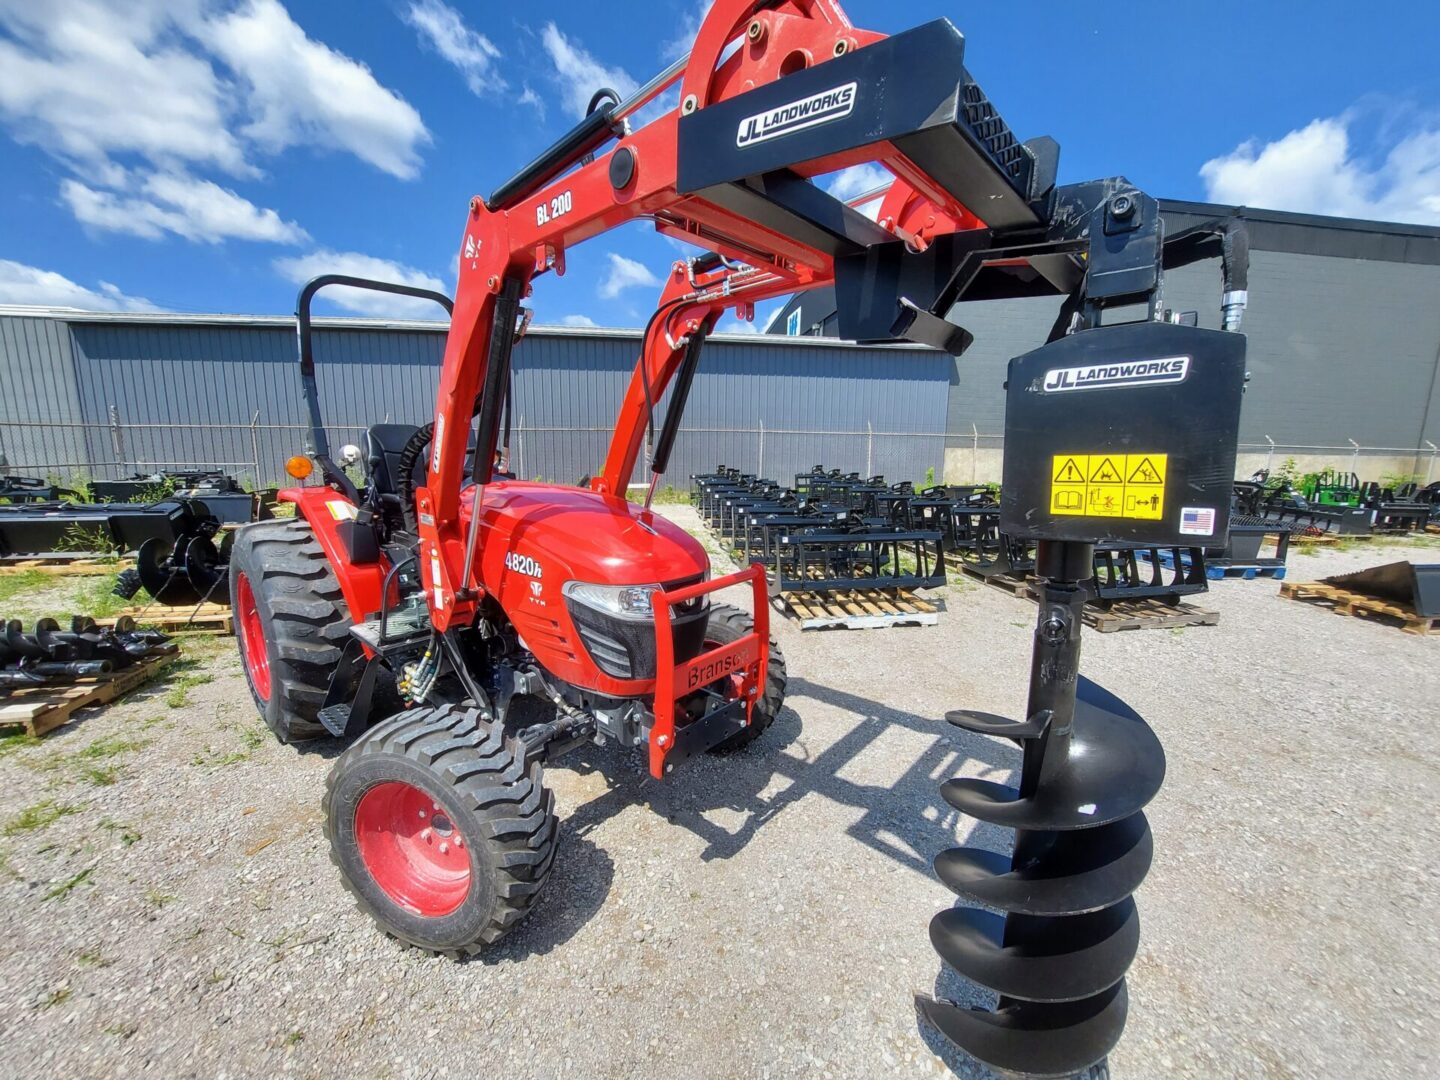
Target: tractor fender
(325, 509)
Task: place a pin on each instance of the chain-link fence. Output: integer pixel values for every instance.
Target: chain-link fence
(255, 453)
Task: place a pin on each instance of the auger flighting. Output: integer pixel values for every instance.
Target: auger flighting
(1143, 458)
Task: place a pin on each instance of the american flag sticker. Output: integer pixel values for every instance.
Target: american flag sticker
(1197, 521)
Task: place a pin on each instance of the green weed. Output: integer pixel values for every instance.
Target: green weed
(55, 997)
(100, 775)
(39, 816)
(18, 741)
(69, 885)
(110, 746)
(158, 898)
(128, 833)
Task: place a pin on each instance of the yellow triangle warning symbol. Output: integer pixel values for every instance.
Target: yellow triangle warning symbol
(1068, 471)
(1145, 473)
(1103, 471)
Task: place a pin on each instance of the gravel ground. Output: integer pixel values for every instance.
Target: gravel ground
(761, 915)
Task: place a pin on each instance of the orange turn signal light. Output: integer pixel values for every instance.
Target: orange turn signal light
(299, 466)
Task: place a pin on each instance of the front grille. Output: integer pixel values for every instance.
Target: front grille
(625, 648)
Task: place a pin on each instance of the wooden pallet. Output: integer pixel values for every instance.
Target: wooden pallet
(1012, 584)
(64, 567)
(39, 709)
(1146, 615)
(1345, 602)
(206, 619)
(859, 609)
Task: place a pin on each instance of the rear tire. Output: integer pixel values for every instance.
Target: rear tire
(291, 623)
(442, 828)
(729, 624)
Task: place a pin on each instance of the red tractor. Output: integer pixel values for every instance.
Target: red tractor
(443, 588)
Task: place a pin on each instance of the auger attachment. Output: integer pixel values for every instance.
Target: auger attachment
(1059, 954)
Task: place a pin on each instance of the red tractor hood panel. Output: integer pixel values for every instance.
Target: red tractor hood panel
(575, 534)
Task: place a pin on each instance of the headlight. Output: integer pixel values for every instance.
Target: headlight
(622, 601)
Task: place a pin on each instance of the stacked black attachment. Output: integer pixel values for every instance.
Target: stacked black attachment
(1057, 956)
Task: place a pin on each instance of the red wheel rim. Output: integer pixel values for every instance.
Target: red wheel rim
(412, 849)
(252, 638)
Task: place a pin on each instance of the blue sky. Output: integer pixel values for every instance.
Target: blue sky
(205, 155)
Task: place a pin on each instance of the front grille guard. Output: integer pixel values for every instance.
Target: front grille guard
(744, 660)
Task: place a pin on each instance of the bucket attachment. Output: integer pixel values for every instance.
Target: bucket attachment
(1412, 584)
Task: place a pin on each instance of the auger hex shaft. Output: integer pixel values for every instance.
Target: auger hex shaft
(1062, 566)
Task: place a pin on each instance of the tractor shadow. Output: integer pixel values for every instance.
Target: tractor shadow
(904, 819)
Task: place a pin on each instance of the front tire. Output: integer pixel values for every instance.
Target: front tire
(442, 828)
(291, 623)
(729, 624)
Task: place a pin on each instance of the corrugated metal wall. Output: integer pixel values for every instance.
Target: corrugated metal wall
(1339, 349)
(37, 385)
(192, 393)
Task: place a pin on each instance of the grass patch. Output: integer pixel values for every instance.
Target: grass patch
(56, 997)
(19, 585)
(295, 1038)
(158, 898)
(670, 495)
(123, 1030)
(110, 746)
(100, 775)
(97, 598)
(128, 834)
(92, 958)
(179, 685)
(17, 741)
(69, 885)
(218, 759)
(40, 816)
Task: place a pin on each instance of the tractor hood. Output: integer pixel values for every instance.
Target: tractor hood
(555, 534)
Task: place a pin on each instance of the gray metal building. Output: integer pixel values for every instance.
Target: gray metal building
(1344, 326)
(104, 394)
(1344, 345)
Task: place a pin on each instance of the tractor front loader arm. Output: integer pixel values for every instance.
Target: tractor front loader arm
(772, 94)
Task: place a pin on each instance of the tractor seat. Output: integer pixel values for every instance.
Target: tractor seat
(383, 445)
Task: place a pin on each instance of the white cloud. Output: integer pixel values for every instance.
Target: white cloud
(578, 320)
(134, 97)
(529, 97)
(579, 74)
(302, 268)
(21, 284)
(300, 91)
(1315, 170)
(625, 274)
(442, 27)
(85, 79)
(684, 39)
(167, 203)
(737, 326)
(858, 179)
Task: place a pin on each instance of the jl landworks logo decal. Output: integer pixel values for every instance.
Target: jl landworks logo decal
(1171, 369)
(818, 108)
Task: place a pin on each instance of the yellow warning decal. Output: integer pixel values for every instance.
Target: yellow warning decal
(1069, 470)
(341, 510)
(1109, 485)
